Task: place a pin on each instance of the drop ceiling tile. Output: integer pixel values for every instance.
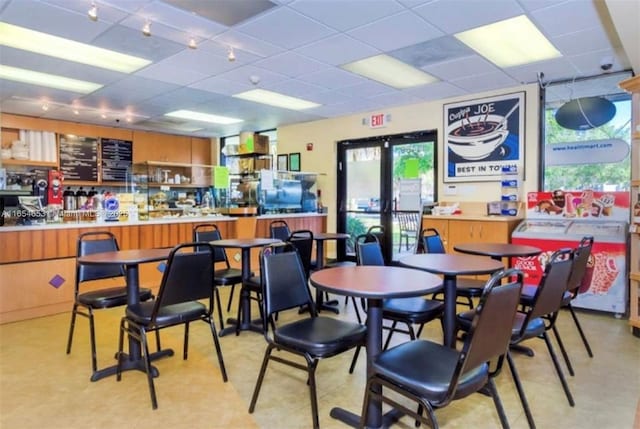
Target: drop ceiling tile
(226, 12)
(453, 17)
(337, 50)
(52, 20)
(243, 74)
(222, 86)
(220, 49)
(329, 97)
(485, 82)
(413, 3)
(436, 91)
(294, 88)
(432, 51)
(129, 90)
(106, 13)
(351, 15)
(247, 43)
(192, 61)
(34, 93)
(185, 98)
(165, 71)
(332, 78)
(21, 107)
(555, 69)
(130, 41)
(366, 89)
(407, 29)
(588, 64)
(460, 67)
(591, 39)
(178, 18)
(290, 64)
(285, 27)
(567, 17)
(131, 6)
(397, 98)
(531, 5)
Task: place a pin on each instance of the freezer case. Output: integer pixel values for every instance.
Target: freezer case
(605, 285)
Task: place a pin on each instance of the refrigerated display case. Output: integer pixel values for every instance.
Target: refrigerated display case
(551, 225)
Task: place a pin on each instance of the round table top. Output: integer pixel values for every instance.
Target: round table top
(125, 257)
(451, 263)
(240, 243)
(369, 281)
(497, 249)
(330, 236)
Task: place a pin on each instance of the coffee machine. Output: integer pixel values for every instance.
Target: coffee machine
(40, 185)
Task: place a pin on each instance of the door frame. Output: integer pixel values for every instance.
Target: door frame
(387, 203)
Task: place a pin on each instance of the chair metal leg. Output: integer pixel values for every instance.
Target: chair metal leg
(72, 326)
(554, 358)
(185, 348)
(233, 288)
(147, 367)
(520, 390)
(120, 353)
(216, 343)
(263, 370)
(391, 331)
(311, 369)
(354, 360)
(158, 346)
(582, 335)
(92, 334)
(355, 307)
(567, 361)
(498, 403)
(219, 306)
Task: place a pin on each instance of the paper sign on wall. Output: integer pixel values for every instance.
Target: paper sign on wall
(411, 168)
(220, 177)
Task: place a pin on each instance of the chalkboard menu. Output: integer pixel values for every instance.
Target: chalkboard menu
(79, 158)
(116, 159)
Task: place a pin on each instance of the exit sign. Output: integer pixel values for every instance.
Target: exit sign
(378, 120)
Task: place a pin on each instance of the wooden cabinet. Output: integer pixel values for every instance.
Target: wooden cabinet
(633, 85)
(200, 155)
(161, 147)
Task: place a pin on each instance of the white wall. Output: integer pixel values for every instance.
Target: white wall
(424, 116)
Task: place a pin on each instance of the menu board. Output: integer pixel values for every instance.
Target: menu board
(79, 158)
(117, 156)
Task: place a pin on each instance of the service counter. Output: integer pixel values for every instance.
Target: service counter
(37, 263)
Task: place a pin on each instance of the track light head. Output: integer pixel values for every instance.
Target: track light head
(93, 12)
(146, 29)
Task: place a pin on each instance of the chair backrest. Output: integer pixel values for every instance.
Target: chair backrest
(96, 242)
(284, 283)
(378, 232)
(581, 255)
(368, 250)
(553, 285)
(302, 240)
(431, 241)
(187, 277)
(490, 332)
(209, 232)
(408, 221)
(279, 229)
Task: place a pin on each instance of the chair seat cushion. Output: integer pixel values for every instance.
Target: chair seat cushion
(168, 315)
(227, 276)
(470, 287)
(110, 297)
(416, 310)
(426, 368)
(339, 264)
(535, 327)
(320, 336)
(253, 283)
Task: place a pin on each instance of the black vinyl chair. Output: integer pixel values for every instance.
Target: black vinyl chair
(279, 229)
(85, 302)
(538, 318)
(466, 288)
(187, 280)
(433, 375)
(581, 257)
(312, 337)
(225, 276)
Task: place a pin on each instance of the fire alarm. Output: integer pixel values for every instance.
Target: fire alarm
(309, 146)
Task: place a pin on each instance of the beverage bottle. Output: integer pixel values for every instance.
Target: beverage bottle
(81, 199)
(69, 199)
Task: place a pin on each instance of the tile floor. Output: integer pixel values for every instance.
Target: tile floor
(41, 386)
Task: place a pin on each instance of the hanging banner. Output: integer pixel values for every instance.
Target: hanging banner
(586, 152)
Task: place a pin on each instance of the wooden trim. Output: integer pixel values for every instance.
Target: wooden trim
(631, 85)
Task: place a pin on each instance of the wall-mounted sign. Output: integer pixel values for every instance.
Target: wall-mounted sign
(586, 152)
(79, 158)
(482, 136)
(378, 120)
(117, 156)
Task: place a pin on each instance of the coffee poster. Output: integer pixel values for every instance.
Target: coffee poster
(482, 136)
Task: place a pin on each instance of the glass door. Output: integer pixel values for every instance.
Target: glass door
(384, 181)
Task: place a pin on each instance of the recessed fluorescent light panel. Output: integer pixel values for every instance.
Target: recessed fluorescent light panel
(275, 99)
(58, 47)
(48, 80)
(390, 71)
(203, 117)
(508, 43)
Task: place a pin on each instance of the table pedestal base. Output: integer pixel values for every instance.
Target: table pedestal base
(129, 363)
(254, 326)
(353, 420)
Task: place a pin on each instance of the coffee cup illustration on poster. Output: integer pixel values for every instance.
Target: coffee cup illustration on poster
(482, 136)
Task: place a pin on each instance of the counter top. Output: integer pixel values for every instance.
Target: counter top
(285, 215)
(475, 217)
(157, 221)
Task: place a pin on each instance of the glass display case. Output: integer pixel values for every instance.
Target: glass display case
(166, 190)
